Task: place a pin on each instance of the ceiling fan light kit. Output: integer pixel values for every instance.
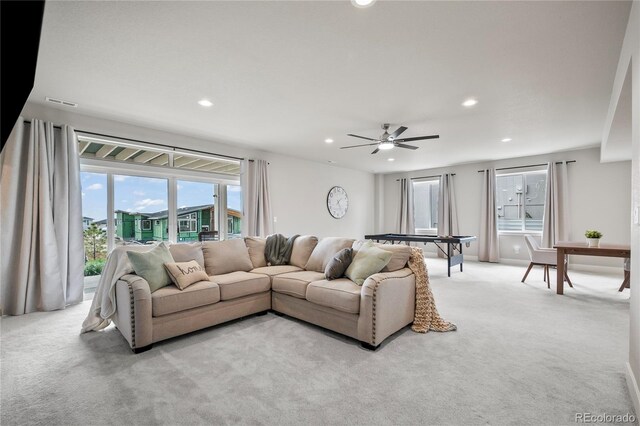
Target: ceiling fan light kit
(388, 141)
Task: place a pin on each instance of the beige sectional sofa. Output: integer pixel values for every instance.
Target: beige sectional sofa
(241, 283)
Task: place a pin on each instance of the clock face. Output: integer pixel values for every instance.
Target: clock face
(337, 202)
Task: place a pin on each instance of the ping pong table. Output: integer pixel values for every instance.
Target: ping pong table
(453, 252)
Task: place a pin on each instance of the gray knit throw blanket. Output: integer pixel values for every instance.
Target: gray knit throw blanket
(278, 249)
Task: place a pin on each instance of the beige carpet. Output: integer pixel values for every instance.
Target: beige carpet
(521, 355)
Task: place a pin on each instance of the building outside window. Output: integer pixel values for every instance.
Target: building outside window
(520, 200)
(425, 205)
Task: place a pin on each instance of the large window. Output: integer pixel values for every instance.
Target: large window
(138, 193)
(138, 201)
(425, 205)
(234, 211)
(94, 224)
(520, 201)
(197, 210)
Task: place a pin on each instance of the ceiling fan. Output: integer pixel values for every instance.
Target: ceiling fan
(389, 140)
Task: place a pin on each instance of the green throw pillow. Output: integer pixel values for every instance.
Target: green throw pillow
(150, 265)
(368, 260)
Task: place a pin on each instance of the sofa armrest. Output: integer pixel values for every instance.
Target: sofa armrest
(387, 304)
(133, 316)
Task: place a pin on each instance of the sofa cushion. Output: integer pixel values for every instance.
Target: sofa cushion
(183, 274)
(368, 260)
(341, 294)
(184, 252)
(239, 283)
(324, 252)
(400, 254)
(150, 265)
(171, 299)
(338, 264)
(302, 248)
(222, 257)
(295, 283)
(275, 270)
(256, 246)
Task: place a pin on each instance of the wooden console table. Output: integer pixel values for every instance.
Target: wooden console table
(565, 248)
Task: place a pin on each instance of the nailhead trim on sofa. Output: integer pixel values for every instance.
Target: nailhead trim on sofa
(133, 316)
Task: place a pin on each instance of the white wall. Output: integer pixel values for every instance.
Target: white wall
(599, 200)
(298, 187)
(630, 57)
(299, 198)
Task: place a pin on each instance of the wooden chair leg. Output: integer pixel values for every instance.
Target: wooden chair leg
(626, 282)
(548, 279)
(527, 273)
(566, 277)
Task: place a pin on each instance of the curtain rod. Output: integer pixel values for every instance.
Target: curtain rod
(148, 143)
(531, 165)
(427, 177)
(251, 161)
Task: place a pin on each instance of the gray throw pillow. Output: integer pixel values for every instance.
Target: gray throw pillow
(338, 264)
(150, 265)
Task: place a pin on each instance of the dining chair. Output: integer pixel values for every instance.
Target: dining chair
(627, 275)
(545, 257)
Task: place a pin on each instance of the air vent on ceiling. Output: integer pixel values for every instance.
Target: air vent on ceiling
(61, 102)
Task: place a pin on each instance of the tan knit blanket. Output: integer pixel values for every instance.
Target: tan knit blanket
(426, 316)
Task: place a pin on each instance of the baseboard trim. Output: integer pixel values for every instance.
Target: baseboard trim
(634, 392)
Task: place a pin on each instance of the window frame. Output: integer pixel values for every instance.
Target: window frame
(193, 224)
(522, 231)
(437, 180)
(112, 168)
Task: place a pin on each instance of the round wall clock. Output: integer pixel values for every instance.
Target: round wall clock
(337, 202)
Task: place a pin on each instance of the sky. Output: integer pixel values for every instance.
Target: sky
(145, 195)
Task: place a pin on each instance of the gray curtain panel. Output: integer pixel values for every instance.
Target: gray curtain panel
(488, 244)
(447, 210)
(406, 223)
(42, 262)
(556, 210)
(258, 200)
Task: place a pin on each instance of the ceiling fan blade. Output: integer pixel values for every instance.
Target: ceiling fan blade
(418, 138)
(397, 133)
(376, 151)
(406, 146)
(361, 137)
(356, 146)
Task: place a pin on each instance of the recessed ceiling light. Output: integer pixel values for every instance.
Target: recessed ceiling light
(362, 3)
(386, 145)
(391, 159)
(205, 103)
(506, 140)
(470, 102)
(328, 140)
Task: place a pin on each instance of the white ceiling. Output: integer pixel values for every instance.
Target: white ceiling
(286, 75)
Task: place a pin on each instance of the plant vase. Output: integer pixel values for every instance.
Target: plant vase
(593, 242)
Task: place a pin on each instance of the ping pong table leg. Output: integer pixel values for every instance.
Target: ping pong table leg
(449, 260)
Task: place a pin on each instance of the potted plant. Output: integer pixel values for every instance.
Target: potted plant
(593, 237)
